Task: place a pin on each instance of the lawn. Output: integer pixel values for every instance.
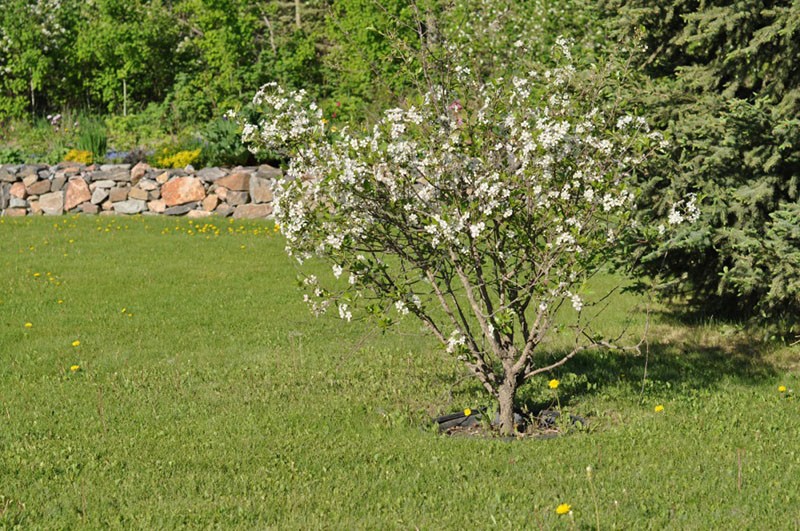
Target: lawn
(161, 373)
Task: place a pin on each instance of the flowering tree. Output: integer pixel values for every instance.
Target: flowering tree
(479, 209)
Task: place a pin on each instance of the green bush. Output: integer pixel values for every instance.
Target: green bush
(222, 144)
(11, 155)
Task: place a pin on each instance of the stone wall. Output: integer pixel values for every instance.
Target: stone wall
(36, 189)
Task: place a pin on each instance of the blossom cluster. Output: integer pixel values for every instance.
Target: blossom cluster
(506, 191)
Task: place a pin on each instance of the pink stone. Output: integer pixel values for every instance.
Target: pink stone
(235, 181)
(39, 188)
(77, 193)
(182, 190)
(210, 202)
(18, 190)
(252, 211)
(158, 206)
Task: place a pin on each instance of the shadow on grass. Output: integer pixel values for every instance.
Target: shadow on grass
(679, 357)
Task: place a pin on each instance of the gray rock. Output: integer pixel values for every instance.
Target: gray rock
(224, 210)
(4, 195)
(15, 202)
(31, 170)
(260, 190)
(265, 171)
(115, 167)
(8, 174)
(180, 209)
(104, 183)
(131, 206)
(52, 204)
(210, 175)
(99, 195)
(57, 184)
(117, 173)
(237, 198)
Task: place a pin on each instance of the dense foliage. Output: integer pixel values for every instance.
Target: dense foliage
(723, 80)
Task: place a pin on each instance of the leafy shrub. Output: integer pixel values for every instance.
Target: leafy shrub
(222, 144)
(79, 155)
(11, 155)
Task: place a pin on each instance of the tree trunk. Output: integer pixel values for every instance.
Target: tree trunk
(505, 398)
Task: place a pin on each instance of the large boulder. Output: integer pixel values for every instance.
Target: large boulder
(77, 193)
(182, 190)
(260, 190)
(38, 187)
(52, 204)
(239, 182)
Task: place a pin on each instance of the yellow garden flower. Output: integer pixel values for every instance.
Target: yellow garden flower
(553, 383)
(781, 388)
(468, 412)
(75, 368)
(659, 408)
(76, 343)
(28, 325)
(564, 508)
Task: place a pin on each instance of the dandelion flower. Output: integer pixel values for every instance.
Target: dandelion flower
(28, 325)
(553, 383)
(75, 368)
(467, 412)
(76, 343)
(564, 508)
(659, 408)
(37, 275)
(781, 388)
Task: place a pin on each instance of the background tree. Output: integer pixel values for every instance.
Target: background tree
(724, 83)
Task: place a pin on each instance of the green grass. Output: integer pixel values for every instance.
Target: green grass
(215, 400)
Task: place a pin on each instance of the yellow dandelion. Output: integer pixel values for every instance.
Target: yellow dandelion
(60, 301)
(75, 368)
(781, 388)
(659, 408)
(467, 412)
(564, 508)
(37, 275)
(553, 384)
(76, 343)
(28, 325)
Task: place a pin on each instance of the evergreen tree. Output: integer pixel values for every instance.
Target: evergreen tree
(724, 82)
